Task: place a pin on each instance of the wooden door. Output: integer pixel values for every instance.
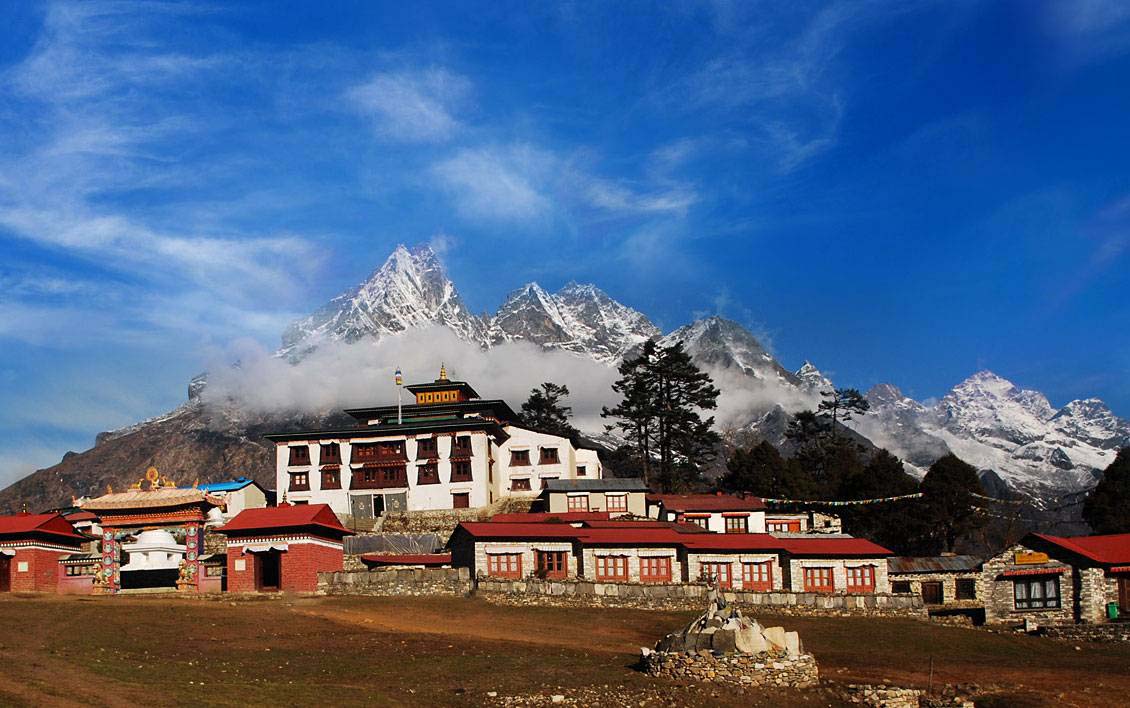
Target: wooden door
(932, 593)
(268, 571)
(5, 574)
(1124, 597)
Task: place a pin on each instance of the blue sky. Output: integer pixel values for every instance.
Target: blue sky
(903, 192)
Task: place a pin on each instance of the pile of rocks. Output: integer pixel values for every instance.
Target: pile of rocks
(765, 669)
(732, 649)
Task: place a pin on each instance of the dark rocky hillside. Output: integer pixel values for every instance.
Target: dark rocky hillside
(194, 443)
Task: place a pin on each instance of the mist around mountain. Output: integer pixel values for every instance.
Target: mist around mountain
(408, 314)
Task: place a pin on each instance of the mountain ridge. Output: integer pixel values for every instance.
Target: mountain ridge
(994, 424)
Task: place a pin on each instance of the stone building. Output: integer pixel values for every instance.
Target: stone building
(669, 552)
(1058, 580)
(946, 584)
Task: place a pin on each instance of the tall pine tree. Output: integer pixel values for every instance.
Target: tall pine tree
(546, 412)
(660, 414)
(840, 404)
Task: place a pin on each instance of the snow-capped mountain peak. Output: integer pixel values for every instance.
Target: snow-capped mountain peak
(991, 407)
(579, 318)
(813, 379)
(724, 344)
(410, 289)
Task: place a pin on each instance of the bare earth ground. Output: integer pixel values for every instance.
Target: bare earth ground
(163, 650)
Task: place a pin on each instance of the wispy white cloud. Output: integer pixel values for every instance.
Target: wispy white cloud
(784, 88)
(97, 130)
(524, 183)
(500, 183)
(413, 105)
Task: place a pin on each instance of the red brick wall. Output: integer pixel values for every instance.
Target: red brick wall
(299, 565)
(240, 580)
(42, 574)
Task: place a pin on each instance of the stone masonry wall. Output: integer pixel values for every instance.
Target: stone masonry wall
(996, 591)
(767, 669)
(679, 596)
(441, 522)
(397, 582)
(1109, 632)
(949, 587)
(1093, 595)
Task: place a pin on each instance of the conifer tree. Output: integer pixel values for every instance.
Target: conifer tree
(635, 414)
(662, 393)
(545, 411)
(840, 403)
(1107, 508)
(948, 510)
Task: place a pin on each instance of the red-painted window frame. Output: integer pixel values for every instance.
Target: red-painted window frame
(578, 503)
(621, 503)
(612, 568)
(758, 576)
(821, 579)
(552, 564)
(507, 566)
(655, 569)
(860, 579)
(721, 571)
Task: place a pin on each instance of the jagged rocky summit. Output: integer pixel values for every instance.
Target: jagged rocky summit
(995, 425)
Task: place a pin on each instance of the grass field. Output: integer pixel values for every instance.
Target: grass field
(162, 650)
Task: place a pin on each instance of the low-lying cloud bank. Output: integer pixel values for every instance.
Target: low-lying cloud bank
(339, 375)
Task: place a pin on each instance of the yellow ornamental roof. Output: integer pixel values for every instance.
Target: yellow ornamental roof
(150, 499)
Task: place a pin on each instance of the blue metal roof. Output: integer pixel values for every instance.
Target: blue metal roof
(229, 486)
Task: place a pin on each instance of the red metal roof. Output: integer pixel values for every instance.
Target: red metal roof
(817, 546)
(734, 542)
(489, 529)
(429, 559)
(683, 503)
(653, 533)
(1106, 550)
(566, 517)
(29, 524)
(273, 518)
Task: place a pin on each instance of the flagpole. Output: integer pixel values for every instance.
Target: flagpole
(399, 379)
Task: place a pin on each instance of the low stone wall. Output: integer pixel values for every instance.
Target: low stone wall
(1110, 632)
(767, 669)
(441, 522)
(690, 597)
(397, 581)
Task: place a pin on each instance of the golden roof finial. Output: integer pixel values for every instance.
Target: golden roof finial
(442, 372)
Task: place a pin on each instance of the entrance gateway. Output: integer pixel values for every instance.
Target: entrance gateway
(152, 536)
(1124, 596)
(5, 573)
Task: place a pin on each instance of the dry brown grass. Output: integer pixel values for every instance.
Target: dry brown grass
(426, 651)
